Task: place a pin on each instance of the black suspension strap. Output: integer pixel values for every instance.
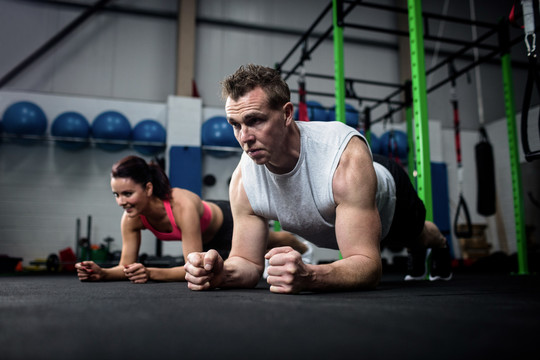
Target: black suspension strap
(533, 79)
(462, 204)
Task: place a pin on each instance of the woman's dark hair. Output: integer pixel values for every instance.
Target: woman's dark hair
(137, 169)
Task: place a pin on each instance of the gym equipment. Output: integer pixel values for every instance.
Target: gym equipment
(149, 131)
(485, 167)
(209, 180)
(517, 189)
(394, 144)
(8, 263)
(302, 106)
(351, 115)
(24, 118)
(485, 175)
(315, 111)
(441, 203)
(533, 80)
(374, 142)
(217, 132)
(113, 128)
(85, 250)
(460, 231)
(71, 125)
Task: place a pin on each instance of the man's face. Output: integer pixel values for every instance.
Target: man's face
(259, 129)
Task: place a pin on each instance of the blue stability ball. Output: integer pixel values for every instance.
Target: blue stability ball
(24, 118)
(73, 125)
(351, 115)
(149, 131)
(216, 131)
(111, 125)
(375, 142)
(394, 144)
(316, 112)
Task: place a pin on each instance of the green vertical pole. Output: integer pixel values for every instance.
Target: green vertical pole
(419, 93)
(410, 139)
(521, 239)
(339, 63)
(410, 132)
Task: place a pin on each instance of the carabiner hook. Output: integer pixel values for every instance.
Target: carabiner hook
(531, 47)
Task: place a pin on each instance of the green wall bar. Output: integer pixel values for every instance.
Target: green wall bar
(419, 93)
(410, 141)
(521, 238)
(339, 63)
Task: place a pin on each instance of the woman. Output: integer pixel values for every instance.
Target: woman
(149, 202)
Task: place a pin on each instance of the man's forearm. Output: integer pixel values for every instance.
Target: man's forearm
(353, 273)
(239, 272)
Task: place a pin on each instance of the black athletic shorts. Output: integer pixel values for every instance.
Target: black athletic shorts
(410, 212)
(223, 239)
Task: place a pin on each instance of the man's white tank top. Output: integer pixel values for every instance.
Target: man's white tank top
(302, 200)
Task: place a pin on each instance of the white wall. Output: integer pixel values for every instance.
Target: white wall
(129, 57)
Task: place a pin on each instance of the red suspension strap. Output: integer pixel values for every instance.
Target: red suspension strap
(462, 205)
(302, 106)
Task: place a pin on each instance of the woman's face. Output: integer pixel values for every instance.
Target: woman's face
(131, 196)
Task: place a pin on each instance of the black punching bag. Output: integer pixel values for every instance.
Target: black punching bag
(485, 175)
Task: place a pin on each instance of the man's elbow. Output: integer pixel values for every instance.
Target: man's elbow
(372, 277)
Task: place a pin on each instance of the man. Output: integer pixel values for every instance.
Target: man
(319, 181)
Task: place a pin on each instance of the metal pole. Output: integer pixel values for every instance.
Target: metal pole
(410, 131)
(517, 189)
(419, 94)
(339, 63)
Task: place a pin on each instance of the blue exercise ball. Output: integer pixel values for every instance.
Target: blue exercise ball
(351, 115)
(216, 131)
(111, 125)
(24, 118)
(149, 131)
(316, 112)
(73, 125)
(374, 142)
(394, 144)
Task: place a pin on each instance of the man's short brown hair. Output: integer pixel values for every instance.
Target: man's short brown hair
(249, 77)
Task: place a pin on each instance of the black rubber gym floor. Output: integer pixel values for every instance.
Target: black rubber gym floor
(474, 316)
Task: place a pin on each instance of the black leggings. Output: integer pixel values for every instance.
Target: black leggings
(410, 212)
(223, 239)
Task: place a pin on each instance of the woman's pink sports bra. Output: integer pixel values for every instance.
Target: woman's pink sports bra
(176, 233)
